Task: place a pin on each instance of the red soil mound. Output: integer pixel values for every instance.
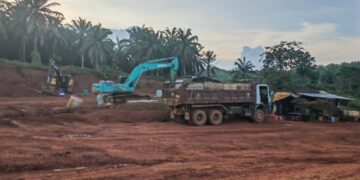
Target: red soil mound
(26, 82)
(13, 83)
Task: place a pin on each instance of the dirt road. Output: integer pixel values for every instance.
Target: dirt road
(38, 141)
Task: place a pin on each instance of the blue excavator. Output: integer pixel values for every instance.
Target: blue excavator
(110, 93)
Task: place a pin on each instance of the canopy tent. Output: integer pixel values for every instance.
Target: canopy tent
(324, 96)
(287, 104)
(283, 95)
(321, 94)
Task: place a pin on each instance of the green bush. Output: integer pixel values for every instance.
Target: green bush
(20, 64)
(317, 105)
(355, 104)
(77, 69)
(36, 58)
(107, 72)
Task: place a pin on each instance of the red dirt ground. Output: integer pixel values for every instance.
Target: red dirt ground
(40, 139)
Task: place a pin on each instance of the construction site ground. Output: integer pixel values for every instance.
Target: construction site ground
(41, 139)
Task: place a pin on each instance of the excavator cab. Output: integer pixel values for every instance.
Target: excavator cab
(122, 79)
(56, 82)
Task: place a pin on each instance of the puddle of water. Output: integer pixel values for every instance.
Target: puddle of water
(69, 169)
(114, 166)
(123, 165)
(77, 135)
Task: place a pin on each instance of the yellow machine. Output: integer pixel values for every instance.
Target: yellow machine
(56, 82)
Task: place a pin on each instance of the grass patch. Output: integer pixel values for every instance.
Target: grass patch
(105, 72)
(354, 105)
(20, 64)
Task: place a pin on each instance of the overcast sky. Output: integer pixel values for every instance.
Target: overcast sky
(330, 29)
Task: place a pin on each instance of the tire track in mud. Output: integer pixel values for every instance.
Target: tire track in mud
(101, 160)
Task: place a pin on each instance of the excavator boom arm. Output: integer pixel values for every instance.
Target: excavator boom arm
(53, 68)
(167, 63)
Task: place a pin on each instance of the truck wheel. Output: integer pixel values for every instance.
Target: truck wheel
(259, 116)
(198, 118)
(215, 117)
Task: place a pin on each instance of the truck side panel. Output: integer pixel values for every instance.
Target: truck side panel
(184, 96)
(214, 96)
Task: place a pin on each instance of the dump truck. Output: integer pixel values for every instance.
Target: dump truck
(201, 103)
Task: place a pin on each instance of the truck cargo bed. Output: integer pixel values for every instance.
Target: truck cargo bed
(211, 93)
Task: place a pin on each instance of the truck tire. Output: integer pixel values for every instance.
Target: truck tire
(198, 118)
(215, 117)
(259, 116)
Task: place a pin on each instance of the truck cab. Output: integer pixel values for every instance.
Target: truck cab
(263, 103)
(263, 96)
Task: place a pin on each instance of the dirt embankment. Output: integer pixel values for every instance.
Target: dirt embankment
(18, 81)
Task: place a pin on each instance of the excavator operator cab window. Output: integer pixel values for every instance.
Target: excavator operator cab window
(122, 79)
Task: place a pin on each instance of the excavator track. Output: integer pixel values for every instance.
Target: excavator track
(116, 99)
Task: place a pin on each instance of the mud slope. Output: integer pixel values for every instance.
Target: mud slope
(26, 82)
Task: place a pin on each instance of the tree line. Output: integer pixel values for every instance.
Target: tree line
(31, 31)
(289, 66)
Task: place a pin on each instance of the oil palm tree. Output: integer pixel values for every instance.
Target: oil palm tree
(208, 59)
(188, 48)
(170, 40)
(56, 36)
(135, 43)
(154, 46)
(243, 67)
(32, 17)
(98, 45)
(144, 44)
(82, 27)
(122, 57)
(17, 12)
(3, 18)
